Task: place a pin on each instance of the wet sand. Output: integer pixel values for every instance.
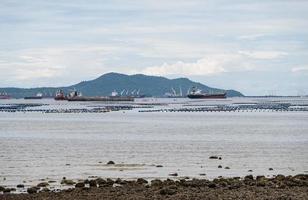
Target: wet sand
(249, 187)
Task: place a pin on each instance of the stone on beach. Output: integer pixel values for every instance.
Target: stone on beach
(156, 183)
(20, 186)
(168, 191)
(173, 174)
(213, 157)
(67, 182)
(93, 183)
(110, 162)
(141, 181)
(43, 184)
(80, 185)
(32, 190)
(2, 189)
(7, 190)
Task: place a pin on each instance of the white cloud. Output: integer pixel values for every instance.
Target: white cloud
(210, 64)
(251, 36)
(300, 69)
(263, 54)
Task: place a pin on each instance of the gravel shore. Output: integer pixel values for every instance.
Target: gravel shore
(280, 187)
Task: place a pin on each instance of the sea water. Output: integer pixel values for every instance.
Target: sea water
(49, 146)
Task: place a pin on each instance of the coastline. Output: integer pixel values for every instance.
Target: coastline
(248, 187)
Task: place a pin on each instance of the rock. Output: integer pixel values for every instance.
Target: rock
(219, 166)
(79, 185)
(109, 181)
(159, 166)
(167, 191)
(250, 170)
(7, 190)
(219, 158)
(173, 174)
(110, 162)
(212, 185)
(43, 184)
(32, 190)
(118, 181)
(249, 177)
(67, 182)
(156, 182)
(202, 174)
(260, 177)
(52, 181)
(20, 186)
(301, 176)
(270, 169)
(101, 181)
(117, 185)
(93, 183)
(262, 182)
(280, 177)
(227, 167)
(2, 189)
(213, 157)
(141, 181)
(45, 189)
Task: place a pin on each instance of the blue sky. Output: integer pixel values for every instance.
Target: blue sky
(256, 47)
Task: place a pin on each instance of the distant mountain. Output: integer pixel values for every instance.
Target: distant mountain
(105, 84)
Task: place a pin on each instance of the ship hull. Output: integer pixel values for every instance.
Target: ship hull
(101, 99)
(33, 98)
(5, 97)
(60, 98)
(207, 96)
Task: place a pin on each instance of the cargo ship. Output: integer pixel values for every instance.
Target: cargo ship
(77, 96)
(4, 96)
(38, 96)
(60, 96)
(197, 94)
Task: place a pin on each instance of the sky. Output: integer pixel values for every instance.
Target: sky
(255, 47)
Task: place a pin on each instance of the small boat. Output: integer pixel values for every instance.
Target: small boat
(197, 94)
(38, 96)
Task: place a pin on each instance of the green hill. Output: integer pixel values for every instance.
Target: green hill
(105, 84)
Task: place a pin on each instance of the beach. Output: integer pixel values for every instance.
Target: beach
(249, 187)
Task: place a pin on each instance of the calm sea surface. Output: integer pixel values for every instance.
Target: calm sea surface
(35, 145)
